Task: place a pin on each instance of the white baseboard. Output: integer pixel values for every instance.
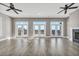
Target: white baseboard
(43, 36)
(7, 38)
(2, 39)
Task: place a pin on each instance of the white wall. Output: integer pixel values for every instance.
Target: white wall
(73, 22)
(0, 26)
(5, 26)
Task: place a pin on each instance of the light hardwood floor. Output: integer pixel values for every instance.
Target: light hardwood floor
(38, 47)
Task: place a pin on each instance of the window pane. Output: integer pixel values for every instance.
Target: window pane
(25, 29)
(53, 32)
(42, 27)
(39, 22)
(58, 27)
(21, 22)
(58, 32)
(56, 23)
(41, 31)
(25, 26)
(36, 32)
(19, 26)
(36, 27)
(19, 31)
(53, 27)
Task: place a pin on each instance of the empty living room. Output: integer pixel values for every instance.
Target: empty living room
(39, 29)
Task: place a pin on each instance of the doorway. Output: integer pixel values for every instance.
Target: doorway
(21, 28)
(39, 28)
(56, 28)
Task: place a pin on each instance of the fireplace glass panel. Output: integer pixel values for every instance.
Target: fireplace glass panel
(76, 35)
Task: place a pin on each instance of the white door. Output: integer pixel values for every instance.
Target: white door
(35, 30)
(42, 30)
(39, 29)
(21, 29)
(56, 29)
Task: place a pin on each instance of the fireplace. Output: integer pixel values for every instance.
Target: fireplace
(75, 35)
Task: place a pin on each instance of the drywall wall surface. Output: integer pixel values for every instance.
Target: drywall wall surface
(5, 26)
(73, 21)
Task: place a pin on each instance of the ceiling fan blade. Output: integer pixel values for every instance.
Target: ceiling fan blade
(60, 11)
(18, 10)
(62, 7)
(8, 9)
(15, 11)
(4, 5)
(65, 12)
(73, 7)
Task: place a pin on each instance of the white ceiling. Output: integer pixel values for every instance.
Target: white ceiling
(37, 10)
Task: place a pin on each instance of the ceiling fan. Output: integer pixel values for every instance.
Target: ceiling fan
(11, 7)
(67, 6)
